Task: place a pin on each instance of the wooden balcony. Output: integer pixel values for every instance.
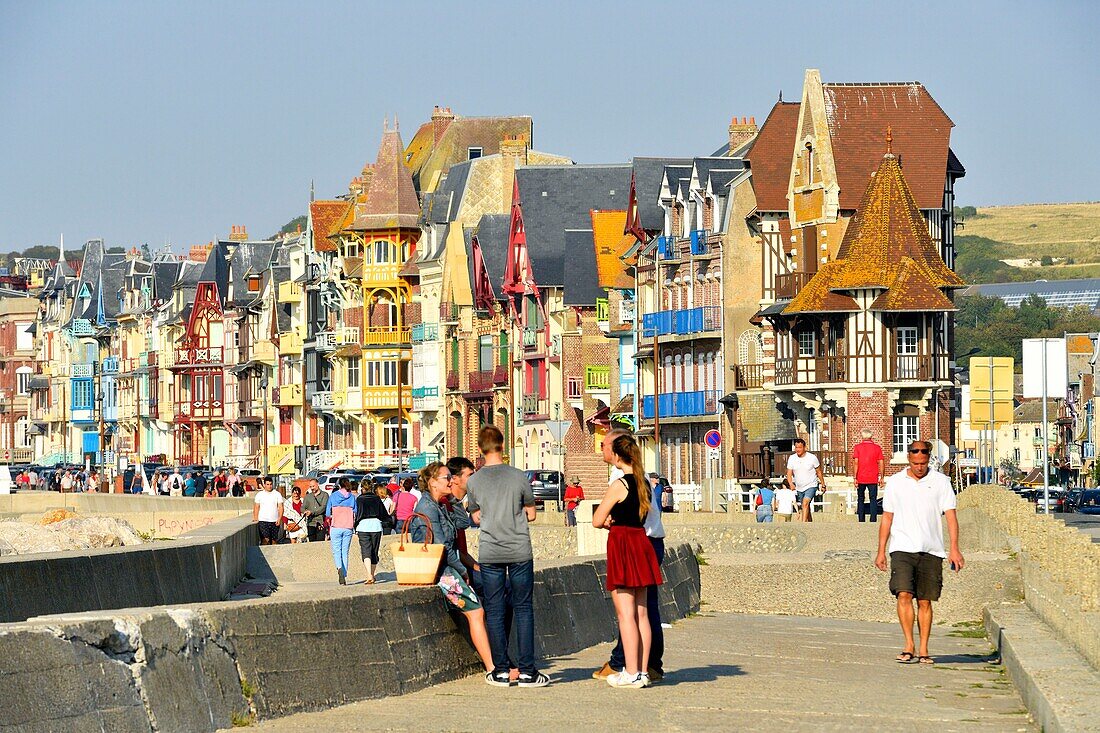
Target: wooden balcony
(337, 337)
(843, 369)
(500, 374)
(289, 292)
(290, 343)
(789, 285)
(289, 395)
(452, 381)
(748, 376)
(386, 335)
(534, 405)
(207, 356)
(481, 381)
(597, 378)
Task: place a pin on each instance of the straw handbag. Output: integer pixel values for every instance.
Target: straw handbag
(417, 563)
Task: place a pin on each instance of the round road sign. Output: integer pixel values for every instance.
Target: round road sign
(713, 439)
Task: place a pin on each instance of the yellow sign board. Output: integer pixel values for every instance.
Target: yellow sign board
(991, 388)
(280, 459)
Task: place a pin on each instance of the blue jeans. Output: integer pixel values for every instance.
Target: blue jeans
(498, 580)
(862, 507)
(653, 611)
(341, 543)
(764, 513)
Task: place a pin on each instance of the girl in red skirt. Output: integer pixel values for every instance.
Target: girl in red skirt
(631, 561)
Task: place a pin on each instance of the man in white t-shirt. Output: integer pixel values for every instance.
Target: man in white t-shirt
(805, 477)
(911, 532)
(267, 512)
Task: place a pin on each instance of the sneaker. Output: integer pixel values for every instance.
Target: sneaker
(341, 578)
(538, 680)
(640, 680)
(497, 680)
(603, 672)
(621, 679)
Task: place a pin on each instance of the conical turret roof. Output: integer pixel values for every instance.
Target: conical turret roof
(391, 199)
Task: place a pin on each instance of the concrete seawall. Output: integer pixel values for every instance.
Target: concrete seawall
(202, 565)
(205, 666)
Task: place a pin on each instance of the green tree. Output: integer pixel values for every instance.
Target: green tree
(298, 223)
(1046, 261)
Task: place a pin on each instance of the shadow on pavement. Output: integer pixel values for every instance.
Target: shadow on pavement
(967, 658)
(709, 673)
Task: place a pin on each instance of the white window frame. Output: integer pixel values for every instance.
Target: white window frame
(809, 341)
(23, 380)
(906, 430)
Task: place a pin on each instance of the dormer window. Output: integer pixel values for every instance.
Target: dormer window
(474, 152)
(253, 283)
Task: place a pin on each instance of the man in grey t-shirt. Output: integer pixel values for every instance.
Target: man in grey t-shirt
(500, 499)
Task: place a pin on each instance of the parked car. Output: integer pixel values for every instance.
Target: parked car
(1057, 499)
(1089, 502)
(546, 485)
(1073, 500)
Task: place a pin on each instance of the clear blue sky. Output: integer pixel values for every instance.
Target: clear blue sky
(164, 121)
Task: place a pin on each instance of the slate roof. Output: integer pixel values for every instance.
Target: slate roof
(556, 198)
(216, 269)
(886, 246)
(1031, 410)
(770, 157)
(492, 237)
(582, 283)
(427, 159)
(391, 199)
(249, 258)
(103, 274)
(165, 273)
(858, 116)
(648, 175)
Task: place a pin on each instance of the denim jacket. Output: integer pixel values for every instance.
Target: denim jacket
(445, 526)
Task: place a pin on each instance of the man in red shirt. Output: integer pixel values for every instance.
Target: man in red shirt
(574, 495)
(869, 467)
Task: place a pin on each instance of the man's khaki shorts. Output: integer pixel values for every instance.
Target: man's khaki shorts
(917, 573)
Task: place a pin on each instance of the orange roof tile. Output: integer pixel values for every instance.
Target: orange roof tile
(886, 246)
(858, 115)
(611, 243)
(770, 157)
(325, 215)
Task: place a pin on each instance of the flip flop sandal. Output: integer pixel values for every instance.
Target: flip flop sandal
(904, 658)
(925, 660)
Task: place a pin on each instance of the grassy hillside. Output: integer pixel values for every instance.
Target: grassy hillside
(1067, 234)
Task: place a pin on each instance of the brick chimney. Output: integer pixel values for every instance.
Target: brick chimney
(515, 147)
(361, 182)
(442, 117)
(199, 252)
(238, 233)
(741, 132)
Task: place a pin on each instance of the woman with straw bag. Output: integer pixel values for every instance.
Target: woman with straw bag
(438, 515)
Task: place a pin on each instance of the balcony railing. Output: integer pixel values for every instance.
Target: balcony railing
(289, 395)
(290, 292)
(682, 404)
(666, 247)
(425, 332)
(597, 378)
(918, 368)
(83, 371)
(424, 392)
(500, 373)
(699, 242)
(626, 311)
(574, 389)
(149, 358)
(839, 369)
(748, 376)
(531, 337)
(452, 381)
(381, 335)
(448, 313)
(290, 343)
(789, 285)
(601, 309)
(323, 401)
(534, 405)
(206, 355)
(703, 319)
(337, 337)
(83, 327)
(481, 381)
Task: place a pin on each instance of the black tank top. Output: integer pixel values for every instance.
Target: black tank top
(625, 513)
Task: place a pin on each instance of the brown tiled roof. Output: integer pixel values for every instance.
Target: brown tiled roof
(770, 157)
(391, 199)
(625, 405)
(858, 115)
(326, 215)
(887, 246)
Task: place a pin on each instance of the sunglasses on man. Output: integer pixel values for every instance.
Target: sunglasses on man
(925, 451)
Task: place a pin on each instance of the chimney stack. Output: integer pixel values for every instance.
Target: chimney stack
(515, 147)
(238, 233)
(741, 132)
(442, 117)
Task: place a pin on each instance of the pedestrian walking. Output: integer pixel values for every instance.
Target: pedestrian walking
(445, 517)
(786, 501)
(631, 560)
(32, 479)
(369, 513)
(869, 469)
(500, 499)
(388, 521)
(574, 495)
(314, 504)
(220, 483)
(763, 500)
(267, 513)
(294, 521)
(805, 475)
(911, 533)
(234, 484)
(405, 503)
(341, 513)
(655, 531)
(66, 482)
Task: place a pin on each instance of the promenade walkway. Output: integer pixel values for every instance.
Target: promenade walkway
(727, 672)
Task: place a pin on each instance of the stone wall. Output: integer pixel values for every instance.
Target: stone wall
(208, 666)
(202, 565)
(1060, 565)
